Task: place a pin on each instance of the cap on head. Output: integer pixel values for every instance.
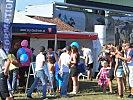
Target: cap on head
(24, 43)
(42, 48)
(74, 44)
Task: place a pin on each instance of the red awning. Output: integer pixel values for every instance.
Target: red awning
(62, 35)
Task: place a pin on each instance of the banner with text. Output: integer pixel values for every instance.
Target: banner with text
(7, 8)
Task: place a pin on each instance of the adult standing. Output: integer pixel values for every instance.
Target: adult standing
(4, 65)
(74, 68)
(50, 53)
(14, 66)
(39, 73)
(24, 68)
(64, 63)
(111, 61)
(118, 71)
(129, 59)
(103, 56)
(87, 53)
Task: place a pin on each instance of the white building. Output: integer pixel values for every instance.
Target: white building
(83, 21)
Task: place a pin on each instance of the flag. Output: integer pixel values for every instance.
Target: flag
(7, 8)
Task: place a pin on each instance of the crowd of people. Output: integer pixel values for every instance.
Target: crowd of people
(114, 62)
(11, 69)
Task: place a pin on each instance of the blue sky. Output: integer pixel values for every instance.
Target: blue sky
(21, 4)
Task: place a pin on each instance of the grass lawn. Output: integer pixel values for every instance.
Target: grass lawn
(89, 90)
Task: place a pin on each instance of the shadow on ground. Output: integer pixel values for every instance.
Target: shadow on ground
(88, 86)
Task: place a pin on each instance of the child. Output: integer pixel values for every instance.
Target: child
(103, 82)
(51, 69)
(58, 77)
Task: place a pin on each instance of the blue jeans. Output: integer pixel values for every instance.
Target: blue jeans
(65, 81)
(39, 75)
(13, 78)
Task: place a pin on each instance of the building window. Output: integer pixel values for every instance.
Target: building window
(60, 44)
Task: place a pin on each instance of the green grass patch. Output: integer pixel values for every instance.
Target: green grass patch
(88, 90)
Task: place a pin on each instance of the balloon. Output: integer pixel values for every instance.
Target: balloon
(23, 58)
(75, 44)
(21, 51)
